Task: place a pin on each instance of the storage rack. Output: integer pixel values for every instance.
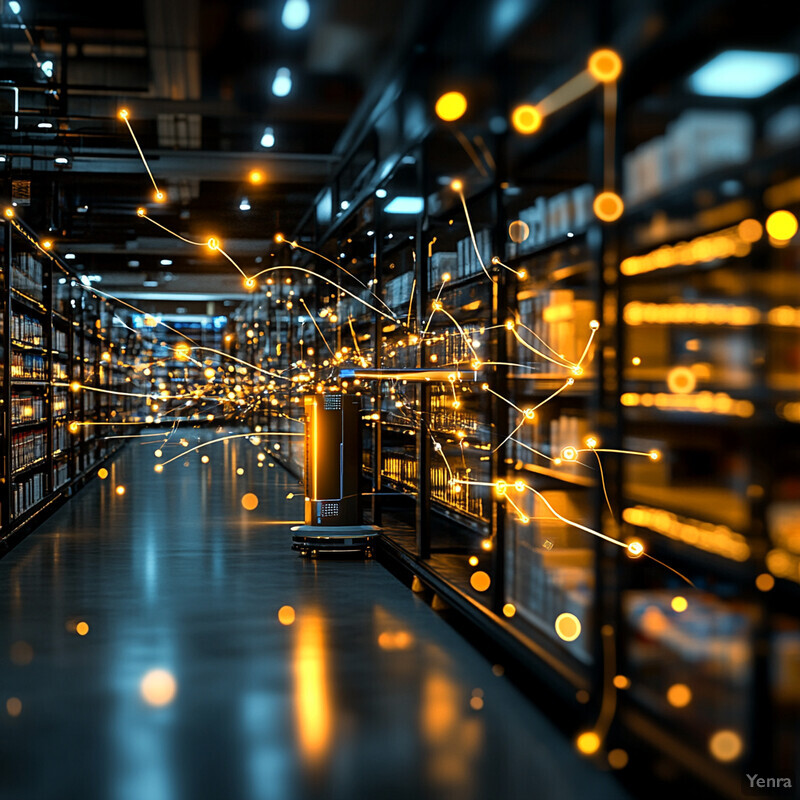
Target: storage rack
(696, 358)
(56, 332)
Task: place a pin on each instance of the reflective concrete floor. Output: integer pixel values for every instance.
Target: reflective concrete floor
(187, 685)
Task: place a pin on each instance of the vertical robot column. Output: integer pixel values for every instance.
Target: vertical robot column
(332, 478)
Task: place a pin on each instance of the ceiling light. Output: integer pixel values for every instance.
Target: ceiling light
(69, 256)
(380, 193)
(2, 159)
(268, 138)
(405, 205)
(82, 209)
(61, 160)
(282, 84)
(150, 284)
(133, 263)
(295, 14)
(14, 7)
(166, 262)
(47, 67)
(744, 73)
(344, 205)
(85, 280)
(45, 125)
(244, 205)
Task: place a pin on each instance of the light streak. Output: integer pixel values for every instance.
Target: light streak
(123, 115)
(567, 93)
(460, 191)
(250, 435)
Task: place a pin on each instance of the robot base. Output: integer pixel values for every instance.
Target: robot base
(313, 540)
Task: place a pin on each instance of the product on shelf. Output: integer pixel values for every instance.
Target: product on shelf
(26, 275)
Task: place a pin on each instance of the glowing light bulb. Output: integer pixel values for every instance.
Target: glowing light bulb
(457, 185)
(256, 176)
(159, 467)
(123, 113)
(160, 197)
(295, 14)
(282, 83)
(608, 206)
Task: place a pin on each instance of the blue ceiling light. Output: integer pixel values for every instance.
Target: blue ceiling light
(268, 137)
(295, 14)
(14, 7)
(380, 193)
(744, 73)
(282, 84)
(405, 205)
(47, 67)
(244, 205)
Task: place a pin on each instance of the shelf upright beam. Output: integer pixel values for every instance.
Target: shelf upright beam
(377, 363)
(6, 416)
(422, 267)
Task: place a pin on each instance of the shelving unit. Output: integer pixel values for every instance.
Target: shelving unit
(55, 332)
(696, 357)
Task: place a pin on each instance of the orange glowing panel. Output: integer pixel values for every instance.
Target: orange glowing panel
(608, 206)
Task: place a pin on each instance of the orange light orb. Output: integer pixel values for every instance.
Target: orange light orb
(605, 65)
(451, 106)
(526, 119)
(608, 206)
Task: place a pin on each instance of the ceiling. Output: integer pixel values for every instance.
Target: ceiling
(196, 76)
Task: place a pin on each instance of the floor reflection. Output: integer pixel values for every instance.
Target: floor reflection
(364, 693)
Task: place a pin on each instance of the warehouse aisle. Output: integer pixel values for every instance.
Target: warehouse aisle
(188, 686)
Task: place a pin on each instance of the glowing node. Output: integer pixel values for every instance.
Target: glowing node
(47, 244)
(480, 581)
(210, 372)
(510, 325)
(605, 66)
(160, 196)
(286, 615)
(618, 758)
(205, 459)
(141, 212)
(473, 561)
(102, 473)
(725, 745)
(509, 609)
(608, 206)
(524, 520)
(256, 176)
(158, 453)
(765, 582)
(588, 743)
(526, 119)
(679, 695)
(158, 687)
(636, 361)
(518, 231)
(529, 413)
(591, 442)
(594, 324)
(782, 225)
(123, 113)
(501, 487)
(681, 380)
(654, 455)
(445, 277)
(159, 467)
(519, 486)
(569, 453)
(74, 427)
(577, 371)
(9, 212)
(750, 230)
(120, 490)
(82, 628)
(486, 544)
(451, 106)
(679, 604)
(621, 682)
(456, 185)
(240, 471)
(213, 243)
(568, 626)
(249, 502)
(249, 283)
(75, 386)
(635, 549)
(522, 274)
